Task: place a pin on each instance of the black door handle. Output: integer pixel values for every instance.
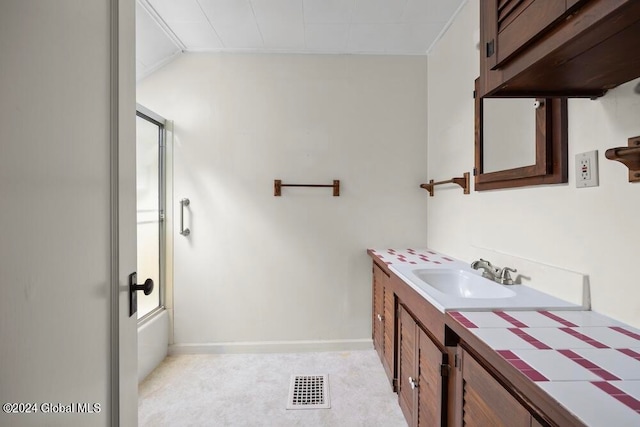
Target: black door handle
(147, 287)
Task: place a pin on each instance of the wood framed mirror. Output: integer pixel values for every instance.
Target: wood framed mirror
(541, 130)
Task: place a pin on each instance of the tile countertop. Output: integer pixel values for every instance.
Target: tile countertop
(415, 256)
(587, 362)
(402, 262)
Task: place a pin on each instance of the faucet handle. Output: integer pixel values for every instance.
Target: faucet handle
(505, 277)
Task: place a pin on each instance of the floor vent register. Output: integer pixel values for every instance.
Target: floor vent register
(309, 392)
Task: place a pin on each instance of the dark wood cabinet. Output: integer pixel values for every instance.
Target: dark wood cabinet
(552, 48)
(421, 366)
(516, 23)
(483, 401)
(383, 320)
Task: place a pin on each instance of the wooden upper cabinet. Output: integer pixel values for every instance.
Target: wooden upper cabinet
(551, 48)
(519, 22)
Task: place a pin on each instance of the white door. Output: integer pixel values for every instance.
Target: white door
(67, 213)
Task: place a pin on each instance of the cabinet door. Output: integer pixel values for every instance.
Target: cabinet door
(378, 310)
(407, 378)
(388, 330)
(520, 21)
(420, 392)
(487, 403)
(430, 390)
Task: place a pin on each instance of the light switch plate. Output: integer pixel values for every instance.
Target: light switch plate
(587, 169)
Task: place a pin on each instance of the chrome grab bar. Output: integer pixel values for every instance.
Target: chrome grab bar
(183, 231)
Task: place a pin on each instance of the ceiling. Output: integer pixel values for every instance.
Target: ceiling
(165, 28)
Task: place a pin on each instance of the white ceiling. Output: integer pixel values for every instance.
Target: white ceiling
(165, 28)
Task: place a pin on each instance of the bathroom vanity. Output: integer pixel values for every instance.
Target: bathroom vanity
(508, 355)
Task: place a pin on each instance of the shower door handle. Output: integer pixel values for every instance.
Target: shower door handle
(183, 231)
(147, 288)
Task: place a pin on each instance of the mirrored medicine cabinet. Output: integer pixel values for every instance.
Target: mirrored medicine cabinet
(520, 142)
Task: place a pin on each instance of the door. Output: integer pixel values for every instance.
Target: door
(67, 217)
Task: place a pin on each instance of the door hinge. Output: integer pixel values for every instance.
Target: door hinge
(444, 369)
(161, 216)
(491, 48)
(395, 384)
(475, 171)
(458, 362)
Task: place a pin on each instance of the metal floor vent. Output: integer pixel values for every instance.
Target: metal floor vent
(309, 392)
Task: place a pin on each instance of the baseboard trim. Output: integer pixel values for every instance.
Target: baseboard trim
(271, 347)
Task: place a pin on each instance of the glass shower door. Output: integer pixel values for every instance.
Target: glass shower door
(150, 213)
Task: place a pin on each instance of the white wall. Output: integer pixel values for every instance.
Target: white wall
(590, 230)
(259, 268)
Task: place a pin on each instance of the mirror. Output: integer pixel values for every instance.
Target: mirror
(520, 142)
(508, 144)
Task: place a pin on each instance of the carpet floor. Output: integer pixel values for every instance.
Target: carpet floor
(252, 389)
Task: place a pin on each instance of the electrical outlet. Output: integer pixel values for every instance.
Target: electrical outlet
(587, 169)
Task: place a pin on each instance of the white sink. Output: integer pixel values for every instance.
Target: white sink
(462, 284)
(461, 288)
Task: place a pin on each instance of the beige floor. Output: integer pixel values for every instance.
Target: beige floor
(252, 389)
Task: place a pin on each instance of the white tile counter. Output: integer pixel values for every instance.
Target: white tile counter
(587, 362)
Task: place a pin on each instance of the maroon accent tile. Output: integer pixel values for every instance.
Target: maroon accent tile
(528, 338)
(587, 364)
(515, 322)
(402, 260)
(432, 253)
(534, 375)
(608, 388)
(583, 337)
(605, 375)
(522, 366)
(557, 318)
(391, 251)
(630, 401)
(570, 354)
(411, 251)
(413, 262)
(447, 259)
(630, 353)
(507, 354)
(618, 394)
(462, 320)
(388, 262)
(437, 262)
(626, 332)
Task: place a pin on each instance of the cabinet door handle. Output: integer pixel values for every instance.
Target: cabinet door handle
(379, 318)
(413, 383)
(183, 231)
(491, 48)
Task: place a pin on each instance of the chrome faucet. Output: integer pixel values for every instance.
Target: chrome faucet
(489, 271)
(499, 275)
